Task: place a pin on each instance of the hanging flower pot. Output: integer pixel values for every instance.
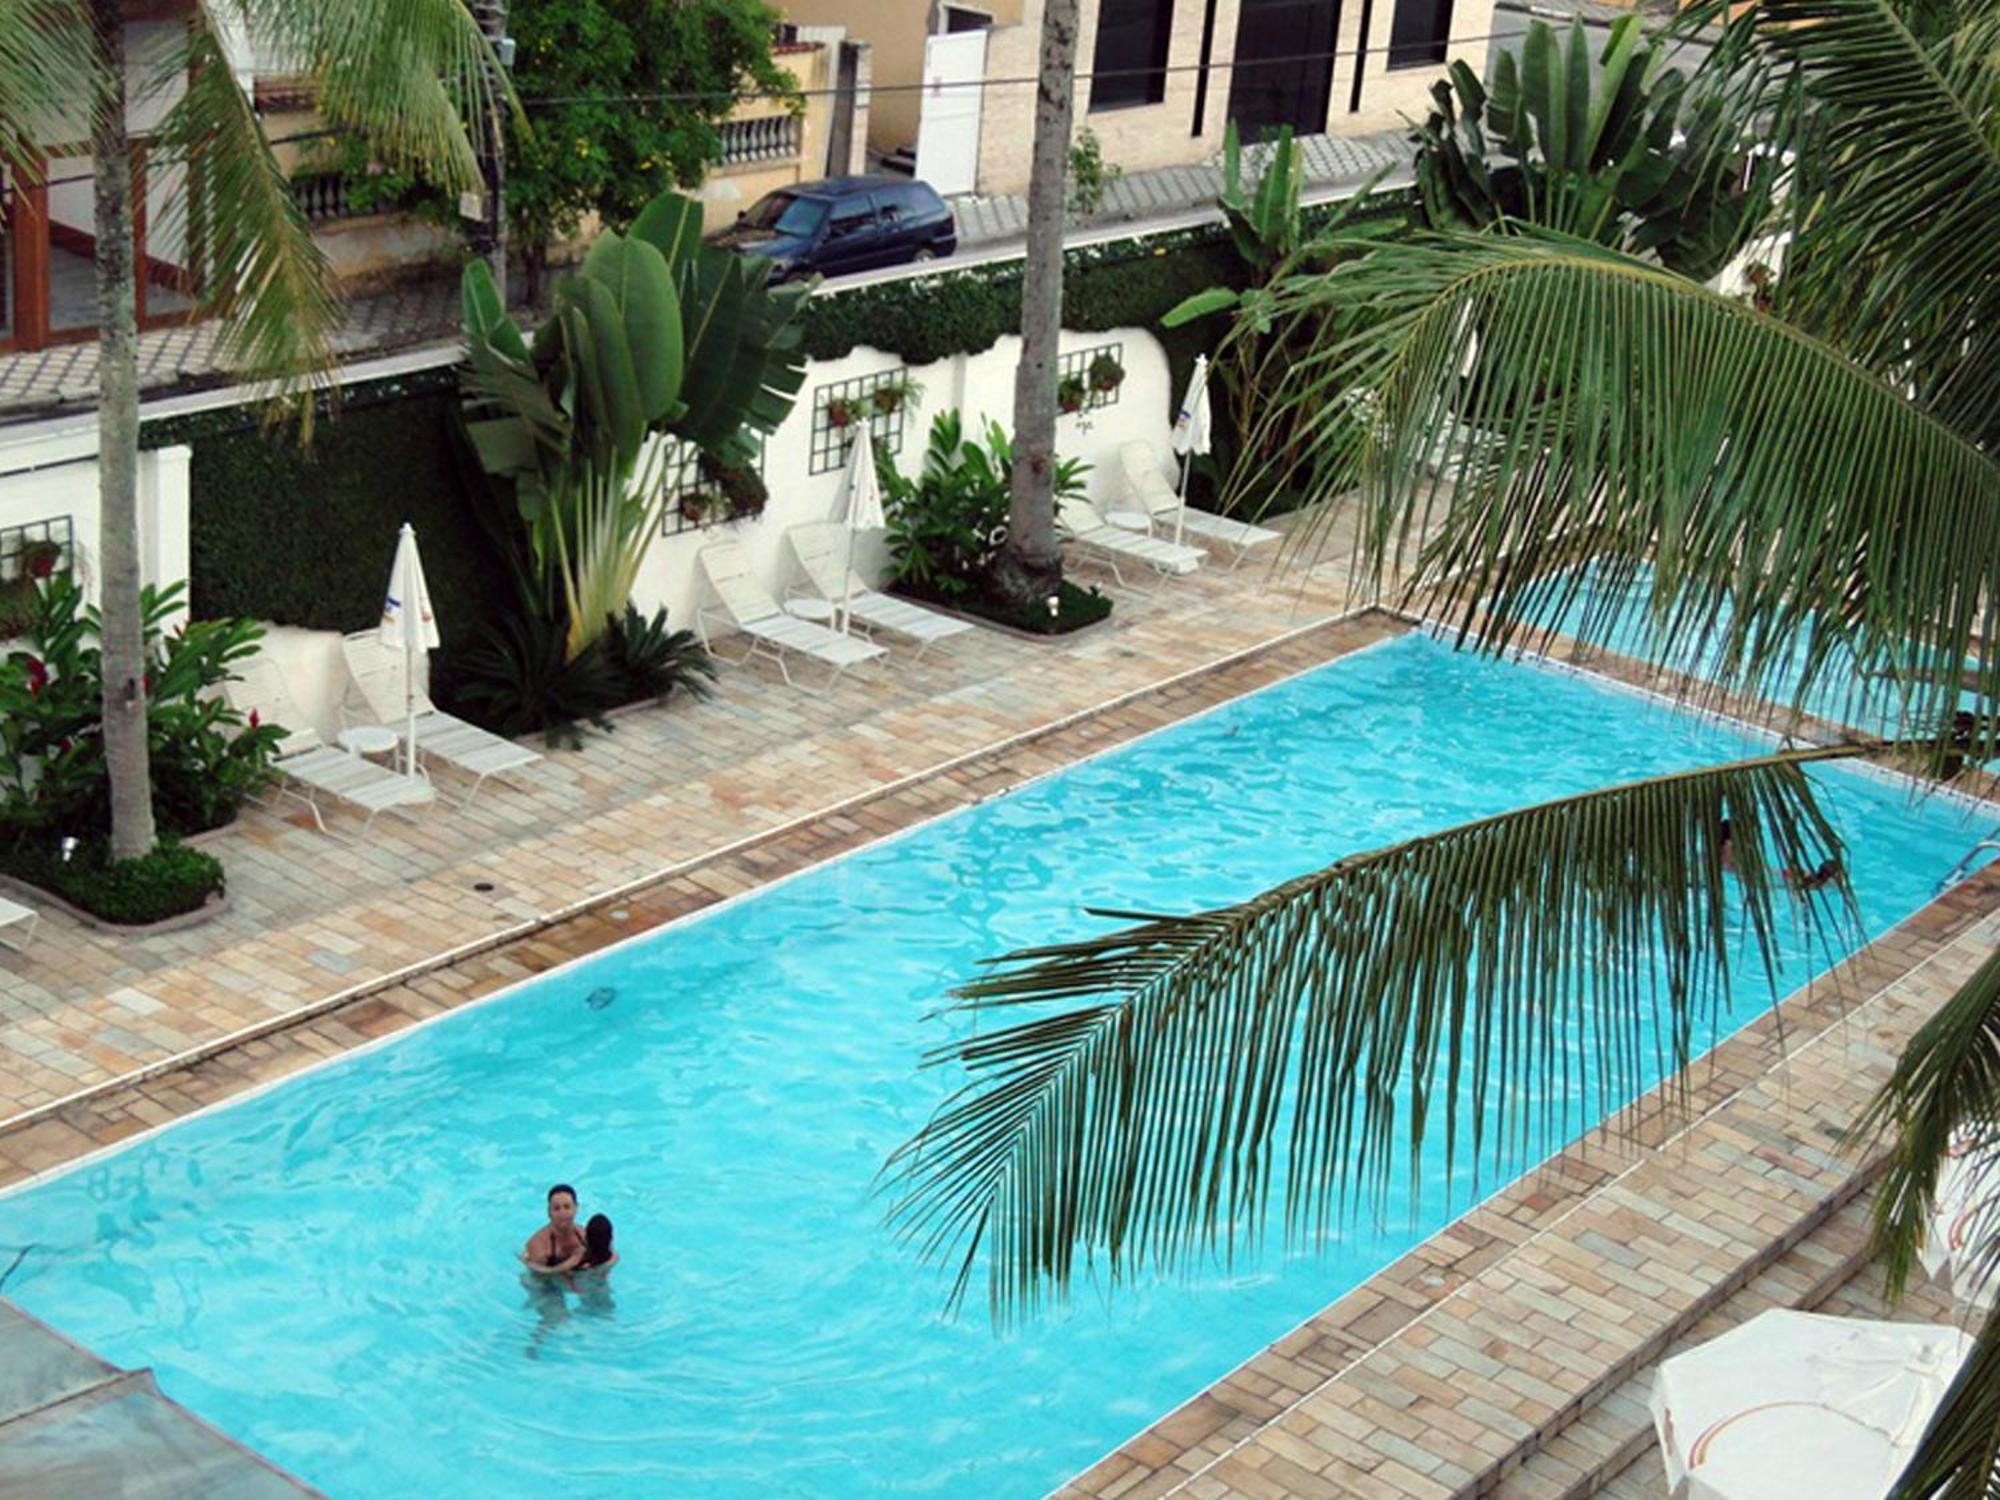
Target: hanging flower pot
(1071, 393)
(39, 559)
(840, 412)
(887, 398)
(694, 507)
(1106, 374)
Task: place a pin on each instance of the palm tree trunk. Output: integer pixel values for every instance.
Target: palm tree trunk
(1029, 568)
(118, 451)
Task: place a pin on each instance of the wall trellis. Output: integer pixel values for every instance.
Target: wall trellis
(830, 440)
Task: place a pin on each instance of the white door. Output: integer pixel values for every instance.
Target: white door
(948, 129)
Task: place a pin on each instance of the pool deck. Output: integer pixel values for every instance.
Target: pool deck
(1459, 1370)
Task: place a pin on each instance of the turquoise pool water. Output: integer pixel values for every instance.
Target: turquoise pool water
(326, 1270)
(1605, 613)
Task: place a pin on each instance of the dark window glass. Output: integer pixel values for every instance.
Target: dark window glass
(1129, 65)
(785, 214)
(1419, 32)
(850, 217)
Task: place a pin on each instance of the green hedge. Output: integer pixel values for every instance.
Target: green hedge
(1123, 284)
(169, 881)
(305, 535)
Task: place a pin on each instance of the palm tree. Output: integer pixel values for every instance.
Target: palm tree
(1823, 471)
(1029, 567)
(406, 72)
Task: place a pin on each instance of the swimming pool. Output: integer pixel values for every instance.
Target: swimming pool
(326, 1269)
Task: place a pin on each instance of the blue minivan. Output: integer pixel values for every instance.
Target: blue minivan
(844, 224)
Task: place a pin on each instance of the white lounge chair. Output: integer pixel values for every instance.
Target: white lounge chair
(26, 918)
(310, 762)
(378, 673)
(1113, 543)
(746, 604)
(821, 549)
(1150, 491)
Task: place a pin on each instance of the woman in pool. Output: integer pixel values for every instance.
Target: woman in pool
(557, 1248)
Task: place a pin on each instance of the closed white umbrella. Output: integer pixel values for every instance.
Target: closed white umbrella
(1965, 1219)
(408, 625)
(1796, 1406)
(864, 510)
(1191, 432)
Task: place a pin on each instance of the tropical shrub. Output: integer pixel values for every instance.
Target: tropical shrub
(1642, 159)
(1273, 238)
(520, 678)
(207, 760)
(948, 523)
(574, 426)
(654, 660)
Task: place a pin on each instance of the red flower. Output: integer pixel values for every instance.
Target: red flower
(38, 675)
(253, 718)
(41, 564)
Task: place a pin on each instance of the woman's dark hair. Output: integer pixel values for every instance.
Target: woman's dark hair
(596, 1240)
(563, 1187)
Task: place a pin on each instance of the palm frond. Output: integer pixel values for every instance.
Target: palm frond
(412, 73)
(1456, 974)
(1894, 258)
(1529, 400)
(1942, 1100)
(259, 266)
(1958, 1457)
(45, 71)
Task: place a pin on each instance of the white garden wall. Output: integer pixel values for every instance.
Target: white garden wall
(48, 474)
(979, 386)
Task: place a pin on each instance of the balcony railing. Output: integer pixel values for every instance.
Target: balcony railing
(772, 138)
(321, 197)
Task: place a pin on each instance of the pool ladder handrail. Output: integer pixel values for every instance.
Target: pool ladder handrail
(1958, 871)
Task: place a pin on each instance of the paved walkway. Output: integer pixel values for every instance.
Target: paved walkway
(1333, 167)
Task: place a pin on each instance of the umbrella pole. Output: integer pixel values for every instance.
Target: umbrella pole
(410, 622)
(1180, 514)
(847, 576)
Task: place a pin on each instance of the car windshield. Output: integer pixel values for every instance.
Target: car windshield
(785, 213)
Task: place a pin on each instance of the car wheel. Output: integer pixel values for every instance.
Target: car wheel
(923, 255)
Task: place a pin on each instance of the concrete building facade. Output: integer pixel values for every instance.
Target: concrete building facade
(1158, 80)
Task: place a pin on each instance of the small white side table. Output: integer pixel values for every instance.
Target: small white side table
(807, 607)
(369, 739)
(1129, 520)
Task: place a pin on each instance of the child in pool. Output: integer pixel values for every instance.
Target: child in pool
(598, 1256)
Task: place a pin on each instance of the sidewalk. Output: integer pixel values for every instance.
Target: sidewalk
(1334, 165)
(48, 382)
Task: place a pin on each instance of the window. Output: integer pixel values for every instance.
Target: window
(1419, 33)
(851, 217)
(965, 18)
(1130, 62)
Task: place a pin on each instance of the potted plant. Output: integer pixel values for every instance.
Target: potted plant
(1071, 393)
(39, 559)
(740, 491)
(893, 393)
(694, 507)
(1106, 374)
(841, 412)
